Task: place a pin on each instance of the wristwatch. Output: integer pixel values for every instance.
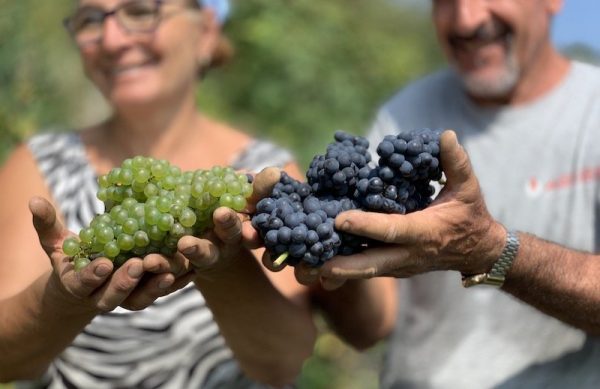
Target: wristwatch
(497, 275)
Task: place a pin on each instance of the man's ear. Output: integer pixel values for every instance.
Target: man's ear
(554, 6)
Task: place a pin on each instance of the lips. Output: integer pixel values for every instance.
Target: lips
(128, 68)
(486, 34)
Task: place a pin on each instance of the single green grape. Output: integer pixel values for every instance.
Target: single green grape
(141, 175)
(151, 190)
(216, 187)
(177, 230)
(197, 189)
(164, 204)
(234, 187)
(247, 190)
(111, 249)
(102, 194)
(187, 218)
(226, 200)
(103, 181)
(113, 176)
(87, 235)
(238, 203)
(165, 221)
(141, 239)
(125, 242)
(80, 263)
(127, 163)
(130, 226)
(168, 182)
(129, 203)
(155, 233)
(125, 176)
(71, 246)
(152, 215)
(104, 234)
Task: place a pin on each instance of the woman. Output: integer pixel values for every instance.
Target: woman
(145, 324)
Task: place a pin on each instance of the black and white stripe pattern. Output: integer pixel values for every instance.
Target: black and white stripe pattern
(175, 342)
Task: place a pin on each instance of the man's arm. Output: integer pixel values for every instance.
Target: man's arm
(560, 282)
(456, 232)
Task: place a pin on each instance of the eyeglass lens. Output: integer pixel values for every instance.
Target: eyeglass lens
(87, 24)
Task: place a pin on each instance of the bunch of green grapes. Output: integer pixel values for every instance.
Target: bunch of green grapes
(150, 204)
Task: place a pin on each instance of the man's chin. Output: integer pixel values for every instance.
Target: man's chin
(490, 86)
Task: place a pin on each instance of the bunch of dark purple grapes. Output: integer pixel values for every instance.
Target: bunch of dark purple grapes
(297, 221)
(401, 183)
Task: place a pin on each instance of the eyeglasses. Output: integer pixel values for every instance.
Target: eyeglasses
(86, 25)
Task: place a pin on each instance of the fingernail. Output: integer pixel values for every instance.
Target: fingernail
(345, 225)
(135, 270)
(190, 250)
(101, 270)
(313, 272)
(164, 284)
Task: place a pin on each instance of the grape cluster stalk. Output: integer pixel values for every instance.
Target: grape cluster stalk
(150, 204)
(297, 220)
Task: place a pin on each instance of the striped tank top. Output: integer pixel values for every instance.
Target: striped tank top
(174, 343)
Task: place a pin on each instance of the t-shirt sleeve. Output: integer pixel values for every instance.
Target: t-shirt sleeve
(261, 154)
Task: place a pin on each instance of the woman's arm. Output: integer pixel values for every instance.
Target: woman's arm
(44, 303)
(265, 317)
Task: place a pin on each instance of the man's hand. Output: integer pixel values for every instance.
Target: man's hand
(455, 232)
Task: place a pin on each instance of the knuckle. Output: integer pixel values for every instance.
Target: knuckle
(104, 307)
(122, 286)
(390, 233)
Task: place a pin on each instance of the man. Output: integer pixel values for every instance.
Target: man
(530, 121)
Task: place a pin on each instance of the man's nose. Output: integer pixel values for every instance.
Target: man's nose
(469, 15)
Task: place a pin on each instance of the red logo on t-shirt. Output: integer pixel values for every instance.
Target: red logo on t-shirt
(535, 187)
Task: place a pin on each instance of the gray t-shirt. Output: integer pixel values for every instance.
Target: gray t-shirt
(539, 169)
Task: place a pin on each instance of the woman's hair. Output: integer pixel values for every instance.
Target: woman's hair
(224, 50)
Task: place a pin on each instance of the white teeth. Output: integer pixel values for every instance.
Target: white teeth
(124, 69)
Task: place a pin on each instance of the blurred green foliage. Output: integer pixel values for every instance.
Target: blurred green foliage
(306, 68)
(302, 70)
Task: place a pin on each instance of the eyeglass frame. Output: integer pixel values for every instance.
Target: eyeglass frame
(106, 14)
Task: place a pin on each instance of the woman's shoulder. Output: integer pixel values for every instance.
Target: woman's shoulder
(260, 153)
(53, 142)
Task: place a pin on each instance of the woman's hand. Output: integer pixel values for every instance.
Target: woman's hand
(232, 237)
(96, 287)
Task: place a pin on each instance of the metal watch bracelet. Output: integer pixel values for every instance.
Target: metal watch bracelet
(497, 275)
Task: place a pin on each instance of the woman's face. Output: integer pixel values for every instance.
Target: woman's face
(135, 68)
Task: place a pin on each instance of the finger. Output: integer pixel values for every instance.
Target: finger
(250, 236)
(121, 284)
(455, 161)
(332, 283)
(306, 274)
(263, 185)
(383, 227)
(228, 226)
(157, 263)
(202, 253)
(83, 283)
(151, 287)
(368, 264)
(50, 230)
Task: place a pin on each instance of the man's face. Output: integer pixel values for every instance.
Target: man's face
(492, 43)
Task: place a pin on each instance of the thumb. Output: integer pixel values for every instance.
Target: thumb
(263, 185)
(49, 229)
(455, 161)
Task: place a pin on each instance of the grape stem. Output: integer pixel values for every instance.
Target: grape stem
(279, 261)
